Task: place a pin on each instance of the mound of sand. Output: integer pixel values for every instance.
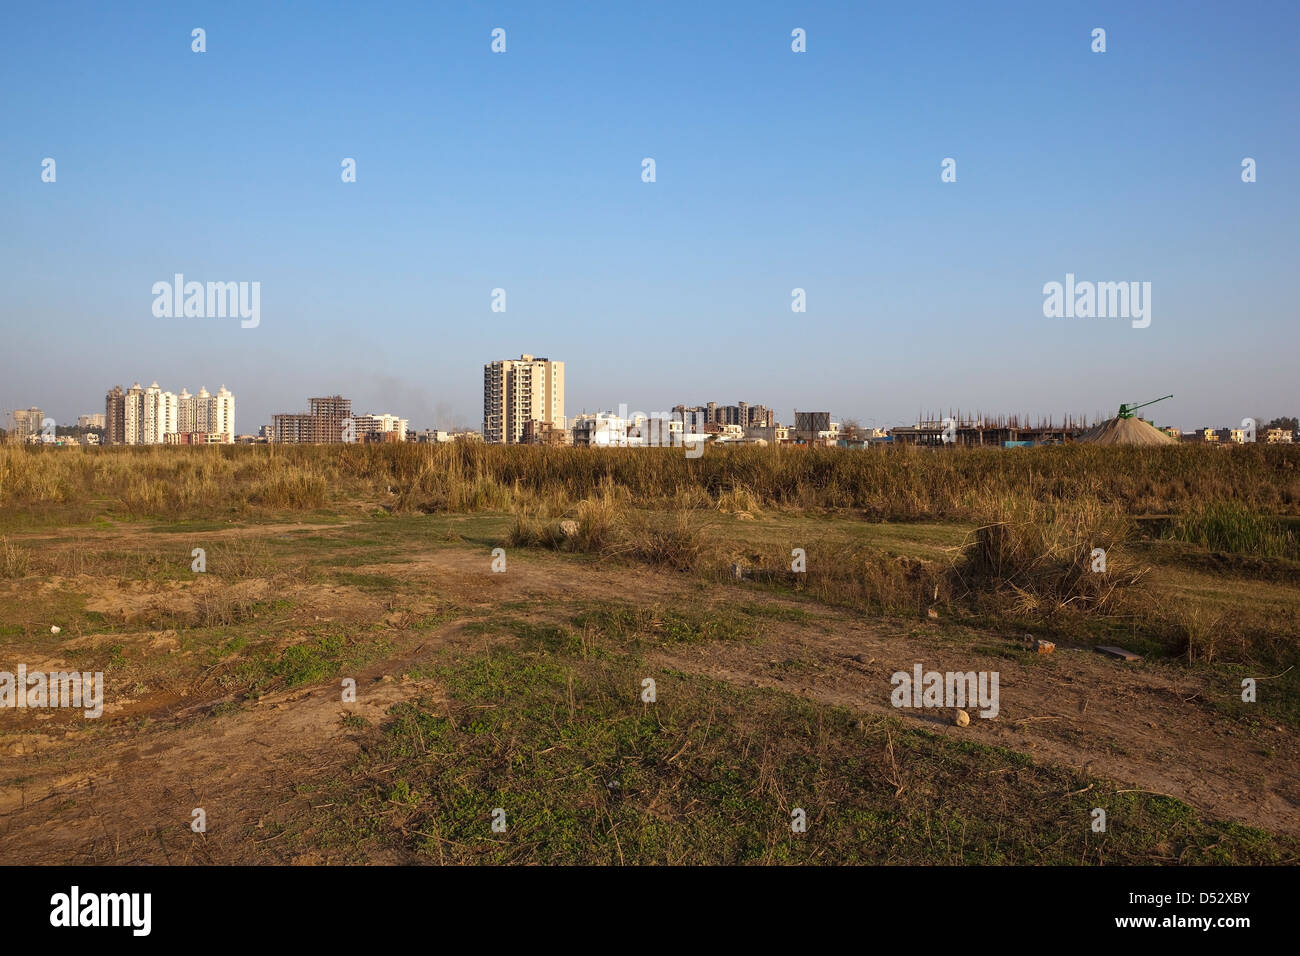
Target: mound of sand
(1125, 431)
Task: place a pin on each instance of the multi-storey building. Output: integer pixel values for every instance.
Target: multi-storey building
(382, 425)
(223, 414)
(328, 415)
(742, 414)
(212, 416)
(150, 414)
(90, 421)
(323, 424)
(155, 414)
(291, 428)
(603, 429)
(25, 422)
(114, 412)
(146, 416)
(185, 421)
(195, 438)
(133, 416)
(516, 392)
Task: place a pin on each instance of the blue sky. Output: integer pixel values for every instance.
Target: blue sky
(775, 170)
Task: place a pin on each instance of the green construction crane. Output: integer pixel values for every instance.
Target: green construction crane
(1126, 411)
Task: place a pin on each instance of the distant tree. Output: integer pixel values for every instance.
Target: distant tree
(1289, 424)
(849, 428)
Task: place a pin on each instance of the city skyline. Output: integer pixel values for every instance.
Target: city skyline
(867, 421)
(173, 408)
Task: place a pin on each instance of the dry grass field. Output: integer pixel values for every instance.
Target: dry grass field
(520, 689)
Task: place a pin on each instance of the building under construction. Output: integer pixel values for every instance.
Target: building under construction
(323, 423)
(1001, 432)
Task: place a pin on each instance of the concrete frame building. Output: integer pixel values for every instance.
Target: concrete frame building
(321, 425)
(114, 410)
(742, 413)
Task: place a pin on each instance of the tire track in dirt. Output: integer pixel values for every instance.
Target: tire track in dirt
(126, 796)
(1142, 727)
(1145, 726)
(129, 799)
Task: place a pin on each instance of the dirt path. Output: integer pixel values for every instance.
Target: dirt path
(1143, 727)
(130, 798)
(126, 794)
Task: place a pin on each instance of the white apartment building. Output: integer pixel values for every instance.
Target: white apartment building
(516, 392)
(655, 431)
(224, 419)
(150, 414)
(185, 412)
(377, 424)
(600, 429)
(150, 430)
(132, 413)
(208, 414)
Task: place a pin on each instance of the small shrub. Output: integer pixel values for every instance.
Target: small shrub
(679, 544)
(1041, 556)
(13, 560)
(1234, 527)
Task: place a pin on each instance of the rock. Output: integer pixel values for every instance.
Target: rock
(962, 719)
(1046, 647)
(54, 628)
(1118, 652)
(569, 528)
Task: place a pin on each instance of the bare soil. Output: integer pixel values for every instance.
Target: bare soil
(124, 790)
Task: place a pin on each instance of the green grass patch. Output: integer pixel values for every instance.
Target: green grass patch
(586, 773)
